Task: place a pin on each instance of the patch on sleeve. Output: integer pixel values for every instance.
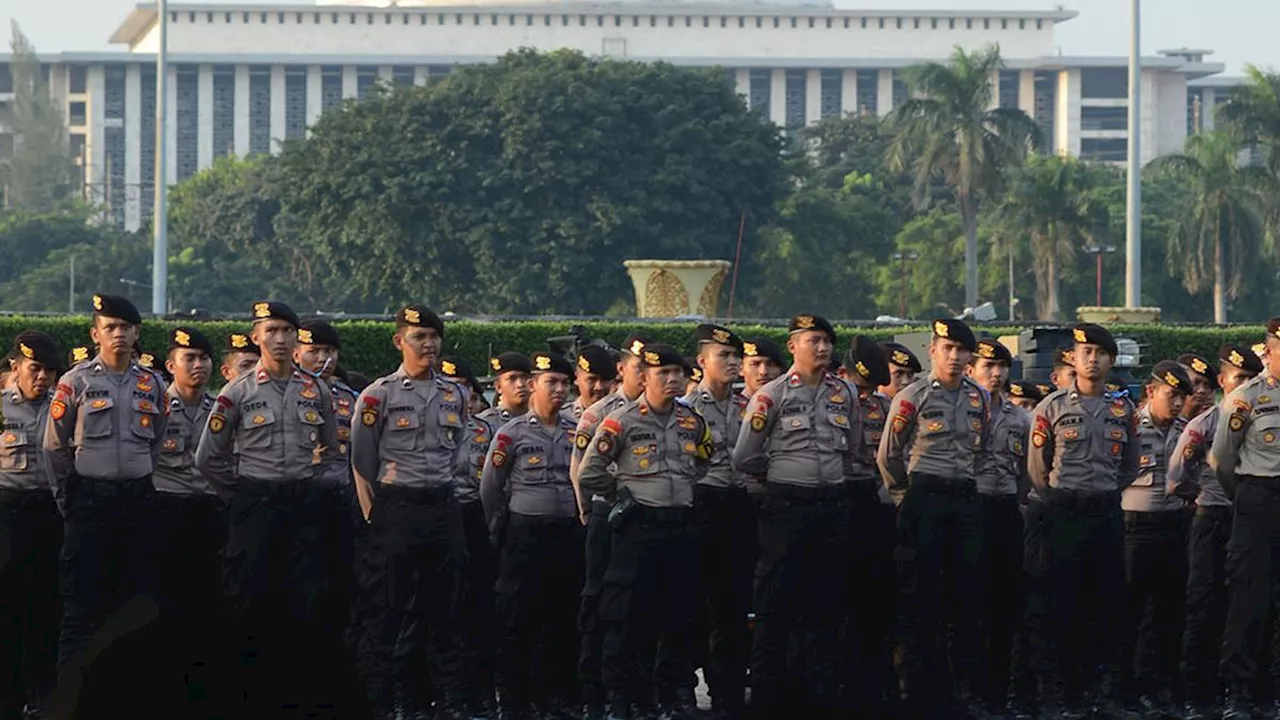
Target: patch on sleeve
(216, 423)
(369, 416)
(1236, 423)
(57, 409)
(758, 421)
(611, 426)
(582, 440)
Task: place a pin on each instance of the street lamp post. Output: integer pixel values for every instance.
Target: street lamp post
(160, 219)
(1133, 204)
(1098, 252)
(902, 258)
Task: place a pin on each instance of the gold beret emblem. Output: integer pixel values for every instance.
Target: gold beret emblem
(720, 336)
(900, 358)
(182, 338)
(637, 347)
(697, 374)
(750, 349)
(495, 363)
(412, 316)
(1236, 359)
(1260, 349)
(80, 354)
(1171, 379)
(862, 369)
(805, 322)
(986, 350)
(584, 363)
(262, 310)
(940, 329)
(652, 358)
(542, 362)
(239, 341)
(305, 337)
(1015, 390)
(1079, 336)
(26, 351)
(147, 360)
(97, 302)
(448, 368)
(1199, 365)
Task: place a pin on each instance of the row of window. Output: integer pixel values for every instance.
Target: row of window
(335, 18)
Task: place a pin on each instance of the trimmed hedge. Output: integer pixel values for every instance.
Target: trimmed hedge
(367, 345)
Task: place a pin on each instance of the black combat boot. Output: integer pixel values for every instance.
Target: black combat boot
(1236, 705)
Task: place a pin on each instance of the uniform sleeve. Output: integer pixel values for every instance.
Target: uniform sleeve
(59, 456)
(750, 454)
(497, 472)
(706, 447)
(215, 456)
(162, 420)
(366, 434)
(1040, 454)
(856, 440)
(1024, 477)
(1187, 456)
(1233, 421)
(581, 441)
(460, 451)
(1132, 453)
(891, 456)
(605, 448)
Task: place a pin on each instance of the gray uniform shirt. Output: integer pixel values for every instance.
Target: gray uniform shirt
(103, 426)
(497, 416)
(587, 426)
(410, 432)
(527, 470)
(1006, 474)
(267, 430)
(1247, 440)
(724, 417)
(1189, 466)
(1149, 491)
(573, 411)
(659, 457)
(936, 431)
(472, 458)
(20, 456)
(1083, 444)
(176, 471)
(800, 435)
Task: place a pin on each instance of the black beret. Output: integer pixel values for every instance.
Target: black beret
(659, 355)
(419, 316)
(458, 369)
(273, 310)
(189, 338)
(761, 346)
(319, 332)
(356, 381)
(1091, 334)
(79, 354)
(597, 361)
(634, 344)
(1199, 366)
(241, 343)
(1045, 390)
(38, 346)
(899, 355)
(718, 334)
(510, 362)
(867, 358)
(543, 361)
(804, 323)
(1026, 389)
(1273, 327)
(692, 369)
(114, 306)
(1065, 357)
(1240, 357)
(957, 330)
(993, 350)
(1172, 374)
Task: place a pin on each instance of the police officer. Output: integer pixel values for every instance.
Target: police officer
(1063, 373)
(530, 504)
(265, 450)
(801, 440)
(692, 374)
(1025, 395)
(595, 510)
(318, 351)
(660, 448)
(999, 489)
(724, 516)
(511, 384)
(1203, 384)
(904, 366)
(595, 372)
(239, 356)
(1084, 451)
(1191, 478)
(482, 561)
(762, 363)
(872, 516)
(937, 446)
(1245, 457)
(404, 451)
(30, 531)
(1155, 547)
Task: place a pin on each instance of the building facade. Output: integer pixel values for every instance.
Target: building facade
(243, 78)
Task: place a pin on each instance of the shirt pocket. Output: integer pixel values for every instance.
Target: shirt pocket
(934, 428)
(144, 417)
(257, 429)
(173, 451)
(450, 423)
(13, 450)
(1147, 465)
(1074, 441)
(311, 421)
(533, 468)
(793, 432)
(643, 459)
(97, 420)
(401, 430)
(839, 428)
(1016, 443)
(1266, 432)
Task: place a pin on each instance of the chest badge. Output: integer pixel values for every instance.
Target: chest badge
(308, 393)
(144, 386)
(170, 444)
(933, 426)
(974, 400)
(258, 419)
(688, 422)
(640, 450)
(145, 421)
(837, 398)
(643, 463)
(689, 447)
(98, 404)
(535, 460)
(1071, 434)
(840, 421)
(402, 422)
(1268, 437)
(312, 416)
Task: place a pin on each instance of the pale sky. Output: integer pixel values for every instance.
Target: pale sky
(1239, 31)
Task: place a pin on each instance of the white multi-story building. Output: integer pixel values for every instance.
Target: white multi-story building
(242, 78)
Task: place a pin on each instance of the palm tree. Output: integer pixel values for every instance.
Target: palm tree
(1050, 202)
(1227, 218)
(951, 132)
(1252, 113)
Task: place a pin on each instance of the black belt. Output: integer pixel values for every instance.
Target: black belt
(1009, 499)
(806, 492)
(274, 488)
(25, 498)
(425, 496)
(135, 487)
(941, 485)
(1214, 512)
(663, 515)
(1071, 500)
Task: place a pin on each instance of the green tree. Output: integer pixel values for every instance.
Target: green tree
(1225, 223)
(1050, 203)
(952, 134)
(1252, 113)
(931, 276)
(521, 186)
(102, 256)
(40, 174)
